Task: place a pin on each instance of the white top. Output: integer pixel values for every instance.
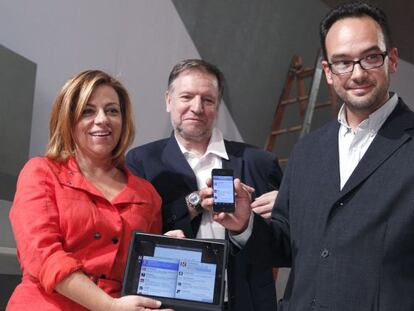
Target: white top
(202, 166)
(354, 144)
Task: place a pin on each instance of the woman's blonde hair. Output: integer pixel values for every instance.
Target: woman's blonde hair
(67, 110)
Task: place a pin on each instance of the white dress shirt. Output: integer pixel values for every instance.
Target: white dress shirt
(354, 143)
(202, 166)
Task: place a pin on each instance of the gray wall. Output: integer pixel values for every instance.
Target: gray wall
(402, 82)
(137, 41)
(17, 80)
(253, 42)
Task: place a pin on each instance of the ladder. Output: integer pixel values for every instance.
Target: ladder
(307, 101)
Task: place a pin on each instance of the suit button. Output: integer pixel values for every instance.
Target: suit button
(340, 204)
(114, 240)
(325, 253)
(97, 236)
(103, 276)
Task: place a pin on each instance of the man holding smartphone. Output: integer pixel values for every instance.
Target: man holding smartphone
(180, 165)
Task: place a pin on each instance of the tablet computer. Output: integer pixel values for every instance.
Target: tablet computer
(185, 274)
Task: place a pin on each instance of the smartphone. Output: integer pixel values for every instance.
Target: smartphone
(223, 190)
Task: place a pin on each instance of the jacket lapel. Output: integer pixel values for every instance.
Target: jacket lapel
(234, 162)
(329, 160)
(390, 138)
(175, 160)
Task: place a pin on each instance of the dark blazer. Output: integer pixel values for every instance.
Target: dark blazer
(351, 249)
(251, 286)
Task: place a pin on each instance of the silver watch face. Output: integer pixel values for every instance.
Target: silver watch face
(194, 198)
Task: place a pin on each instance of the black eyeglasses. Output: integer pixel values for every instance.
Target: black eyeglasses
(368, 62)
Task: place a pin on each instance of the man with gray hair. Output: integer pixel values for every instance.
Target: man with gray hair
(180, 165)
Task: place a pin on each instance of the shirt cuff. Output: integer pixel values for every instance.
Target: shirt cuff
(241, 239)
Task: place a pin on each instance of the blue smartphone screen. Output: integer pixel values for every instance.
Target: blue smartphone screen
(223, 189)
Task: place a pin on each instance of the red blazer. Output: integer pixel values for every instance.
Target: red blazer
(62, 224)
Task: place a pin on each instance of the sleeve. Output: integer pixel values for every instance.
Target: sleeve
(271, 171)
(241, 239)
(133, 164)
(34, 218)
(172, 190)
(176, 216)
(262, 171)
(275, 174)
(269, 243)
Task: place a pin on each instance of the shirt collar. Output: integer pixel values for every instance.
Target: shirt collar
(215, 146)
(375, 120)
(70, 175)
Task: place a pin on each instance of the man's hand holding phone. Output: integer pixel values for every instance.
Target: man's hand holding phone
(238, 220)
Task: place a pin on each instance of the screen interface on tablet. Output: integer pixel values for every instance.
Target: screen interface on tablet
(184, 274)
(176, 273)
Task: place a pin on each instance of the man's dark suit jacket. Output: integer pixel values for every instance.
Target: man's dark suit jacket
(350, 249)
(251, 286)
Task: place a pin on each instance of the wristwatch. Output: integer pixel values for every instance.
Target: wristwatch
(193, 201)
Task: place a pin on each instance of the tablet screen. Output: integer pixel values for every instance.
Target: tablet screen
(176, 273)
(176, 269)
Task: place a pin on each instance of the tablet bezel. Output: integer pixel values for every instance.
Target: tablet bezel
(131, 275)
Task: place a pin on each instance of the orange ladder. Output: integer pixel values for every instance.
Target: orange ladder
(307, 100)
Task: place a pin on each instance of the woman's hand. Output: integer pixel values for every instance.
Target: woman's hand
(136, 303)
(79, 288)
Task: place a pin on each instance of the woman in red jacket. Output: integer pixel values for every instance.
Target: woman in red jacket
(75, 208)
